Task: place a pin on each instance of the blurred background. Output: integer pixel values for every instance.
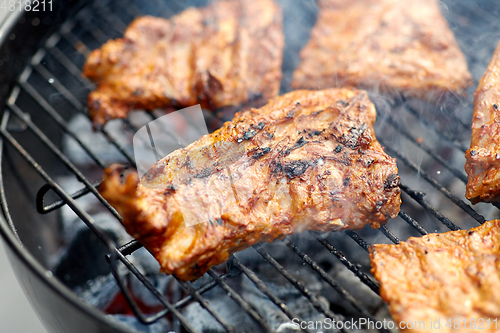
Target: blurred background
(16, 315)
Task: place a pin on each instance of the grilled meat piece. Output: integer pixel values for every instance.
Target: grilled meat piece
(483, 157)
(226, 54)
(394, 46)
(441, 276)
(306, 160)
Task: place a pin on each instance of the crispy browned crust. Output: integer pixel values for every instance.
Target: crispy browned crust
(306, 160)
(483, 157)
(394, 46)
(228, 53)
(442, 276)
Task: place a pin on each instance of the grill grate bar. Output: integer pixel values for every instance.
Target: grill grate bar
(20, 114)
(458, 120)
(361, 242)
(400, 128)
(203, 289)
(107, 15)
(66, 62)
(413, 223)
(130, 247)
(59, 203)
(265, 290)
(147, 320)
(203, 302)
(74, 40)
(457, 201)
(3, 197)
(84, 21)
(72, 69)
(387, 233)
(299, 286)
(132, 9)
(439, 132)
(134, 245)
(240, 301)
(347, 263)
(418, 196)
(327, 278)
(24, 153)
(79, 107)
(59, 120)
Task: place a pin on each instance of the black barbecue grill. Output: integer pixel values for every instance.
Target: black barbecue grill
(43, 91)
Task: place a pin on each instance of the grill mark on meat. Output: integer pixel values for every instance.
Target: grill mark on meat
(292, 111)
(300, 142)
(346, 161)
(268, 135)
(378, 205)
(314, 114)
(355, 134)
(259, 152)
(296, 168)
(247, 136)
(391, 182)
(203, 173)
(253, 131)
(311, 134)
(172, 187)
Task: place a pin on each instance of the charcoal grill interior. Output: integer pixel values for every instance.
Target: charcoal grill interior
(427, 140)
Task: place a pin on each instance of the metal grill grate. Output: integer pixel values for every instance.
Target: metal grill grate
(101, 20)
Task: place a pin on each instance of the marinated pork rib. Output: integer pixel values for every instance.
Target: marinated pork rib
(306, 160)
(228, 53)
(439, 277)
(483, 157)
(395, 46)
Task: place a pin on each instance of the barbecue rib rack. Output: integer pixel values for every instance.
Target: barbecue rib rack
(428, 142)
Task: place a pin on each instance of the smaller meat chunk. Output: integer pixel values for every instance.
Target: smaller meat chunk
(226, 54)
(393, 46)
(438, 277)
(483, 157)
